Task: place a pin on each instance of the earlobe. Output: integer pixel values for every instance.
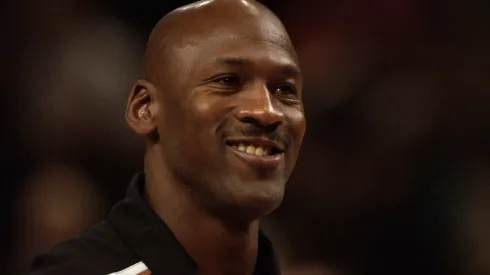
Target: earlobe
(140, 113)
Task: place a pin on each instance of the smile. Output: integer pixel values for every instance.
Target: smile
(256, 146)
(258, 152)
(253, 150)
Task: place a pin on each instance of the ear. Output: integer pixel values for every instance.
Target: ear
(141, 109)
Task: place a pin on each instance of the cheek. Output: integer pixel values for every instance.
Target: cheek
(208, 112)
(206, 108)
(297, 121)
(201, 121)
(202, 109)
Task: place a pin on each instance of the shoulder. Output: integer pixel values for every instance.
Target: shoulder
(97, 250)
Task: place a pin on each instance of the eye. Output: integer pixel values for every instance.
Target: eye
(286, 90)
(228, 80)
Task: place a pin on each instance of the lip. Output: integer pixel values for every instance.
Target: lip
(258, 141)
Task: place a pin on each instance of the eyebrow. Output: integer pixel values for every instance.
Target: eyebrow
(286, 68)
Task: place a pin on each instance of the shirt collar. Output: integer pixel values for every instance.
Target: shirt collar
(153, 242)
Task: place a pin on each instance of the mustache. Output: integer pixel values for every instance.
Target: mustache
(251, 130)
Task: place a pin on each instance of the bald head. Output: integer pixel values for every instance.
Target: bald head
(190, 25)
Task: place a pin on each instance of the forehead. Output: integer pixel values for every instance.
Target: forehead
(259, 42)
(243, 51)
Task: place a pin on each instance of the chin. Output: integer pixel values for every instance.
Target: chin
(268, 203)
(254, 206)
(248, 199)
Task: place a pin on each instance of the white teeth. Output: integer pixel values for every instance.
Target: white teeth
(252, 150)
(242, 148)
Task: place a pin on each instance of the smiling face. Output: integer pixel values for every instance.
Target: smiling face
(230, 117)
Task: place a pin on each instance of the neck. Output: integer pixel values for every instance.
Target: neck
(217, 246)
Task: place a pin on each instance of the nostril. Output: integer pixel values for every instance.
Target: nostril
(250, 120)
(272, 127)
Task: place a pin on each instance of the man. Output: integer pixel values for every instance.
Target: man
(220, 106)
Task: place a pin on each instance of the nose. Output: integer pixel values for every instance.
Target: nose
(257, 107)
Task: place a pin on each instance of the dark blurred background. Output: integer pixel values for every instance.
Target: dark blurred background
(394, 176)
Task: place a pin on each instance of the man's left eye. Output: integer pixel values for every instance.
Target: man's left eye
(287, 90)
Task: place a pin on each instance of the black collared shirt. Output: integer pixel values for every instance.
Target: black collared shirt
(133, 240)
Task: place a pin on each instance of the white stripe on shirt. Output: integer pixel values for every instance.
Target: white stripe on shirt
(132, 270)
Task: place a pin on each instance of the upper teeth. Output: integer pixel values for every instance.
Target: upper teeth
(252, 150)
